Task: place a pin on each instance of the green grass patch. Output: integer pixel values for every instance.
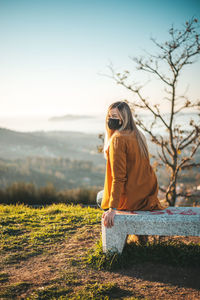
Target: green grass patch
(12, 258)
(26, 231)
(92, 291)
(169, 252)
(99, 291)
(3, 277)
(67, 277)
(50, 292)
(12, 290)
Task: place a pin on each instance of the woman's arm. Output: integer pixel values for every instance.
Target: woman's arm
(117, 154)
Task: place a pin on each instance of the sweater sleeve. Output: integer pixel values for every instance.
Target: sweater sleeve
(117, 154)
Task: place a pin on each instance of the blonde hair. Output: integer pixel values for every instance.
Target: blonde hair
(128, 123)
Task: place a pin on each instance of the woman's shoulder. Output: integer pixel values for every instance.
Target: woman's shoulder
(121, 137)
(117, 139)
(117, 135)
(123, 134)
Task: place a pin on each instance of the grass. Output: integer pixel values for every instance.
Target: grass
(100, 291)
(170, 252)
(24, 231)
(55, 252)
(3, 277)
(10, 291)
(90, 291)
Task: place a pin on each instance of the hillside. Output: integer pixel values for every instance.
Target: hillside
(73, 145)
(67, 159)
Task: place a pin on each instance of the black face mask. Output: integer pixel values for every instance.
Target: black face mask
(114, 123)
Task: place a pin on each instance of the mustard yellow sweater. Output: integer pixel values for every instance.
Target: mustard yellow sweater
(130, 181)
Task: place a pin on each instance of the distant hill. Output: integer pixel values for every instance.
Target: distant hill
(70, 117)
(67, 159)
(66, 144)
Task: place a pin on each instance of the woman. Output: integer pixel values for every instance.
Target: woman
(130, 181)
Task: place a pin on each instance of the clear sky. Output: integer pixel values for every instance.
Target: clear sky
(53, 53)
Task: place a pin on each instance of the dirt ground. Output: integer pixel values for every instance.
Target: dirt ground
(143, 281)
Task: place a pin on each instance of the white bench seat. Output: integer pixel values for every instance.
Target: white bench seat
(181, 221)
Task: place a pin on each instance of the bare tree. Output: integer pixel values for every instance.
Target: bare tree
(180, 50)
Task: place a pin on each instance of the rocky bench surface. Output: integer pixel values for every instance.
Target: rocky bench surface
(181, 221)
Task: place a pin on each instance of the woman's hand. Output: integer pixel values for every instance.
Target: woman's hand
(108, 217)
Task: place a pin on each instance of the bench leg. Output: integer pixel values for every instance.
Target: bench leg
(112, 239)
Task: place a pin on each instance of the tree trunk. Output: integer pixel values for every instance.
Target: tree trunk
(171, 191)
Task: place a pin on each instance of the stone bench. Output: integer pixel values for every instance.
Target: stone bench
(181, 221)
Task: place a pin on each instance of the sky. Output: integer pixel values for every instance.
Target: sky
(54, 55)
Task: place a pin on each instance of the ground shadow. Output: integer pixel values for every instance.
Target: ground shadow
(178, 276)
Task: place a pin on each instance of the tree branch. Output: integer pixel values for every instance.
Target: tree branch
(197, 134)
